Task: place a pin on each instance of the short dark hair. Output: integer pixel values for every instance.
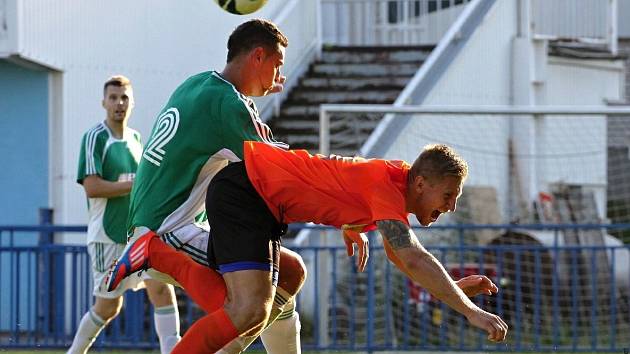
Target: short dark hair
(438, 161)
(118, 81)
(255, 33)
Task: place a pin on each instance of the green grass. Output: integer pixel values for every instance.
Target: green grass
(96, 351)
(3, 351)
(7, 351)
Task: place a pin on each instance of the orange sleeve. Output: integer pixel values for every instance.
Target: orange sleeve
(386, 203)
(384, 197)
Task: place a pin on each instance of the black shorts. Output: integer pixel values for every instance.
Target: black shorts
(244, 234)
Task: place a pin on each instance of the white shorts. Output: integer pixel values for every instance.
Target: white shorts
(190, 239)
(102, 256)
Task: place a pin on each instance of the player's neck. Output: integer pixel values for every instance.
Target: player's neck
(233, 72)
(116, 127)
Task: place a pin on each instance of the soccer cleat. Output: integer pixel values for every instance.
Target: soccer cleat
(135, 257)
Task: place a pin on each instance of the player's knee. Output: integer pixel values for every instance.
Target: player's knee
(248, 315)
(258, 313)
(299, 274)
(111, 314)
(259, 317)
(292, 272)
(160, 294)
(107, 310)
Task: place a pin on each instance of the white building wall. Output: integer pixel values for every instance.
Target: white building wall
(156, 43)
(7, 24)
(479, 75)
(494, 68)
(591, 81)
(623, 15)
(578, 143)
(571, 18)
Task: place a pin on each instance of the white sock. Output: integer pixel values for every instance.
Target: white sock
(283, 336)
(89, 328)
(166, 321)
(239, 344)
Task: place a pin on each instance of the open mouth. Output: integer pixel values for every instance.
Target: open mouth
(435, 215)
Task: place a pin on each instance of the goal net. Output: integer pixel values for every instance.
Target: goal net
(550, 181)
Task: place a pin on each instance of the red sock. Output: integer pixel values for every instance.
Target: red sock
(209, 334)
(204, 285)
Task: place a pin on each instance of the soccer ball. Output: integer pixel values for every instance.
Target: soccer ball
(241, 7)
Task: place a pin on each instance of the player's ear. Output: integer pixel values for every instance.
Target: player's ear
(258, 55)
(419, 183)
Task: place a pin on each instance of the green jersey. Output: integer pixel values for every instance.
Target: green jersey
(113, 160)
(201, 128)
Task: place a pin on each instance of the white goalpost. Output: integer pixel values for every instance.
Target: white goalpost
(550, 175)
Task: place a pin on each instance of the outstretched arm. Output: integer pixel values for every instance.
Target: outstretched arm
(426, 270)
(471, 285)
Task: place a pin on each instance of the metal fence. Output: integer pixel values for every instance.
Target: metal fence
(555, 297)
(407, 111)
(417, 22)
(387, 22)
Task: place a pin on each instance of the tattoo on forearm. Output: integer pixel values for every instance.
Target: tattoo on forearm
(396, 233)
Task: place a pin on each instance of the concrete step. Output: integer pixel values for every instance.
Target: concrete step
(307, 111)
(286, 124)
(309, 141)
(341, 145)
(345, 152)
(339, 151)
(363, 70)
(375, 54)
(330, 96)
(315, 117)
(363, 75)
(354, 83)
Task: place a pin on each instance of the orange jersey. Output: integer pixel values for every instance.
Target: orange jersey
(340, 191)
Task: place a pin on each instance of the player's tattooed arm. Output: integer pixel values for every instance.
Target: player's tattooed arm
(404, 249)
(406, 252)
(397, 233)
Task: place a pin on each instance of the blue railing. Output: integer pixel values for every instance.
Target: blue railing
(555, 296)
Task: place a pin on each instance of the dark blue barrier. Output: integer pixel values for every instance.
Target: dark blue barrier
(554, 297)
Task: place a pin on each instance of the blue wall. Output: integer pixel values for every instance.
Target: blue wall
(23, 143)
(23, 176)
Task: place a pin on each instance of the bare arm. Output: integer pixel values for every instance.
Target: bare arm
(422, 266)
(394, 258)
(97, 187)
(471, 285)
(408, 254)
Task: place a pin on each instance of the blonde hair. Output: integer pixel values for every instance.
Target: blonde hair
(438, 161)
